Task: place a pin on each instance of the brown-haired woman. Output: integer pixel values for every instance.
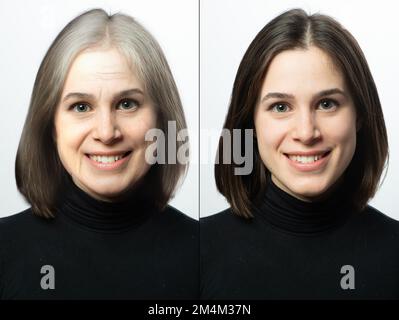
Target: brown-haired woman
(99, 225)
(299, 226)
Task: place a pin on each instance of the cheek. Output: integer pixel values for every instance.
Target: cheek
(342, 133)
(270, 135)
(347, 140)
(69, 136)
(138, 128)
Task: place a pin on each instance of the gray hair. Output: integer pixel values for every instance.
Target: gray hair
(39, 172)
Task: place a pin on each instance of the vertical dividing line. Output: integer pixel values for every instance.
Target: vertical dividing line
(199, 146)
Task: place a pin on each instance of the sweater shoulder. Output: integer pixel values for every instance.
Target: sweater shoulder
(16, 218)
(374, 219)
(176, 224)
(222, 220)
(21, 223)
(377, 216)
(218, 231)
(176, 217)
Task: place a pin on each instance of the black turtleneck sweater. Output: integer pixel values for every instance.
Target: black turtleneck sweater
(99, 250)
(298, 250)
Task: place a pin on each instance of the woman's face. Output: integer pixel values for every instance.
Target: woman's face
(101, 122)
(305, 123)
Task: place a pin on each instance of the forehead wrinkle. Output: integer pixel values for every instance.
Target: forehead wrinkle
(109, 75)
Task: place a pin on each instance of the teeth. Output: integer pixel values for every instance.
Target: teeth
(305, 159)
(106, 159)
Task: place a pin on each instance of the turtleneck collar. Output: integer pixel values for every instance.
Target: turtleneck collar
(294, 216)
(102, 216)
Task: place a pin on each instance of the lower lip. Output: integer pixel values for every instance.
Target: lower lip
(307, 167)
(111, 165)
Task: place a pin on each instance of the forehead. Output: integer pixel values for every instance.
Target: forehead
(310, 69)
(95, 66)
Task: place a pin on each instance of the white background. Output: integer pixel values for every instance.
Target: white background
(227, 28)
(27, 30)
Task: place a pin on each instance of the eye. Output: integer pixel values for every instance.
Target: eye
(80, 107)
(128, 104)
(279, 107)
(328, 104)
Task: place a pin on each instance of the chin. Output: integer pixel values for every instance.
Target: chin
(105, 194)
(310, 195)
(105, 191)
(309, 191)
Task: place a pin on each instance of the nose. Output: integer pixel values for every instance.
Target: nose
(106, 127)
(306, 129)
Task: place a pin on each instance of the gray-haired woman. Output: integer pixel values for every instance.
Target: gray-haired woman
(99, 225)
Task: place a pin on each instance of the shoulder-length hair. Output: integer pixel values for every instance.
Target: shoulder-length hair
(38, 169)
(292, 30)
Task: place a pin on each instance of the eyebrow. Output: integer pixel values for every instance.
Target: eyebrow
(82, 95)
(280, 95)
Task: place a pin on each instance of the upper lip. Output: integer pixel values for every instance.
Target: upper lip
(108, 153)
(307, 153)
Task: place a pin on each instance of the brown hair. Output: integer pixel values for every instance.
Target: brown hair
(38, 169)
(291, 30)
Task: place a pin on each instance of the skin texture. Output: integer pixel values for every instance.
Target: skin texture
(305, 121)
(103, 122)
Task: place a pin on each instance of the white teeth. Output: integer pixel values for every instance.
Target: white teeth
(305, 159)
(106, 159)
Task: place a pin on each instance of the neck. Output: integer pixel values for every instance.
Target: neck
(296, 216)
(103, 216)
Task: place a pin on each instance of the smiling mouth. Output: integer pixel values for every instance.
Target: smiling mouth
(308, 159)
(108, 159)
